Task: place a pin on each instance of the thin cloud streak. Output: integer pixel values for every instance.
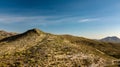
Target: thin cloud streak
(43, 20)
(15, 19)
(35, 19)
(88, 20)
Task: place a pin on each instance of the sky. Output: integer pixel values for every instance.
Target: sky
(87, 18)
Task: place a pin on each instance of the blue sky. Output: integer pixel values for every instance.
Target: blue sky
(87, 18)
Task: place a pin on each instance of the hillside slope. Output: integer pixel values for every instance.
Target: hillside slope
(4, 34)
(36, 48)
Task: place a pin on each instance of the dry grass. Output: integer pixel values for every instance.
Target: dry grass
(36, 48)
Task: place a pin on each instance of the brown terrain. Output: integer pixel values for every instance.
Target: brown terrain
(35, 48)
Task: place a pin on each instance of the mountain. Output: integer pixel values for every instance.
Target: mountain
(4, 34)
(113, 39)
(35, 48)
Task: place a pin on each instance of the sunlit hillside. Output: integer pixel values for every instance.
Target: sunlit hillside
(35, 48)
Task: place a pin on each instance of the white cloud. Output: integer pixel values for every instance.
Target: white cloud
(88, 19)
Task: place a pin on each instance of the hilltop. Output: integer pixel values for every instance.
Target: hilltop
(37, 48)
(112, 39)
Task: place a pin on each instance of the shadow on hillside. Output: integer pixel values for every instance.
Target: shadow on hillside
(11, 38)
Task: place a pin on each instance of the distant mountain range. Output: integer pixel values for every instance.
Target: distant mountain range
(112, 39)
(35, 48)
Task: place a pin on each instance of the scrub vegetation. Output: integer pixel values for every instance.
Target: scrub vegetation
(36, 48)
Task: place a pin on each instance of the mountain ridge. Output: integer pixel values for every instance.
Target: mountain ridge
(37, 48)
(29, 37)
(4, 34)
(113, 39)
